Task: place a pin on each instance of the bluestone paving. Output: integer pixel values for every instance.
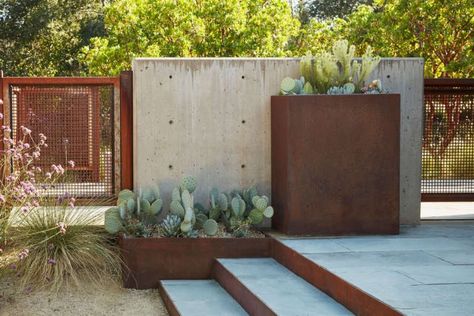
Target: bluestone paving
(201, 297)
(280, 289)
(426, 270)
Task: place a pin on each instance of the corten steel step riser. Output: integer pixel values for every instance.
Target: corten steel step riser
(170, 307)
(354, 299)
(251, 303)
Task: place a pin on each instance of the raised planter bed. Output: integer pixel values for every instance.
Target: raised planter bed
(150, 260)
(335, 164)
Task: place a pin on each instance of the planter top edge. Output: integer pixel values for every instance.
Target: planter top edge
(358, 95)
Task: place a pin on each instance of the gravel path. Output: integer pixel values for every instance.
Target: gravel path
(112, 300)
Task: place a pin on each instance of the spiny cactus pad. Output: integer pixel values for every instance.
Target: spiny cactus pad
(189, 183)
(256, 216)
(210, 227)
(112, 220)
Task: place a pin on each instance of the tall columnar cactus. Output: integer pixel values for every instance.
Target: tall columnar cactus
(338, 67)
(182, 203)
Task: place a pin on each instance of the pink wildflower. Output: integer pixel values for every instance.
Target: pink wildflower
(62, 228)
(51, 261)
(48, 175)
(23, 254)
(71, 163)
(25, 130)
(6, 129)
(2, 198)
(1, 116)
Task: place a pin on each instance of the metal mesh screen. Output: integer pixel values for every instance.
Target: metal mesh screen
(78, 122)
(448, 139)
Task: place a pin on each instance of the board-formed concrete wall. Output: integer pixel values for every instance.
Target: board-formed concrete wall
(211, 118)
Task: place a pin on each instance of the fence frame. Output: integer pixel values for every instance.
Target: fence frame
(122, 115)
(446, 86)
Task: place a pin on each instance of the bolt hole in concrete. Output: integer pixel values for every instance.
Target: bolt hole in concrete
(242, 166)
(388, 76)
(170, 167)
(171, 122)
(243, 121)
(243, 77)
(171, 77)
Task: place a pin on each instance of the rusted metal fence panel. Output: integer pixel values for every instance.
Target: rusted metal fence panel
(78, 117)
(448, 140)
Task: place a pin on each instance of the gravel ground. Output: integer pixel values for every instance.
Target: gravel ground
(111, 300)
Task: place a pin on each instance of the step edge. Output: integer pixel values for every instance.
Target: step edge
(231, 284)
(168, 302)
(365, 304)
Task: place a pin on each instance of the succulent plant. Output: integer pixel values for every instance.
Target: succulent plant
(171, 225)
(261, 209)
(182, 203)
(132, 209)
(210, 227)
(338, 67)
(290, 86)
(375, 87)
(347, 88)
(113, 220)
(219, 203)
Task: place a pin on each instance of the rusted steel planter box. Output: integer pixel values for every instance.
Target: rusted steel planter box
(152, 259)
(335, 164)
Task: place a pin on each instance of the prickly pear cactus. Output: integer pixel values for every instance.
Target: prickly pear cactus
(290, 86)
(210, 227)
(188, 183)
(261, 209)
(113, 221)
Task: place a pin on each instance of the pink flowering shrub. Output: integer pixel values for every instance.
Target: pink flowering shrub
(56, 242)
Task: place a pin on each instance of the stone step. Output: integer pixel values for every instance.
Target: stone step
(264, 287)
(198, 297)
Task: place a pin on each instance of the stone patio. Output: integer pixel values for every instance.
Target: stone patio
(426, 270)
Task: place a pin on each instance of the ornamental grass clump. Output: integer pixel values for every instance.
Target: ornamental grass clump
(62, 246)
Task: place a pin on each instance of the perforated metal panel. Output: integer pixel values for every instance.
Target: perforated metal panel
(78, 122)
(448, 139)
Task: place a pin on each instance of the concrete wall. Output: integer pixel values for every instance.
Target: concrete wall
(211, 118)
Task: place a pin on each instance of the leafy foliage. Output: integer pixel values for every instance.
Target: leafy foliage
(43, 37)
(207, 28)
(329, 9)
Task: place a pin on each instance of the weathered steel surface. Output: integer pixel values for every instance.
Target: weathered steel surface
(150, 260)
(353, 298)
(248, 300)
(336, 164)
(126, 129)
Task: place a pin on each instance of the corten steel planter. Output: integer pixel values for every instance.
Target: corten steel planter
(150, 260)
(335, 164)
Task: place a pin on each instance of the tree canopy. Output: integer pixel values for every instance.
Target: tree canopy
(98, 37)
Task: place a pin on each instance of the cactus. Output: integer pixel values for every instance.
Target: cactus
(238, 207)
(188, 183)
(182, 204)
(171, 225)
(219, 204)
(113, 221)
(210, 227)
(291, 86)
(330, 70)
(261, 209)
